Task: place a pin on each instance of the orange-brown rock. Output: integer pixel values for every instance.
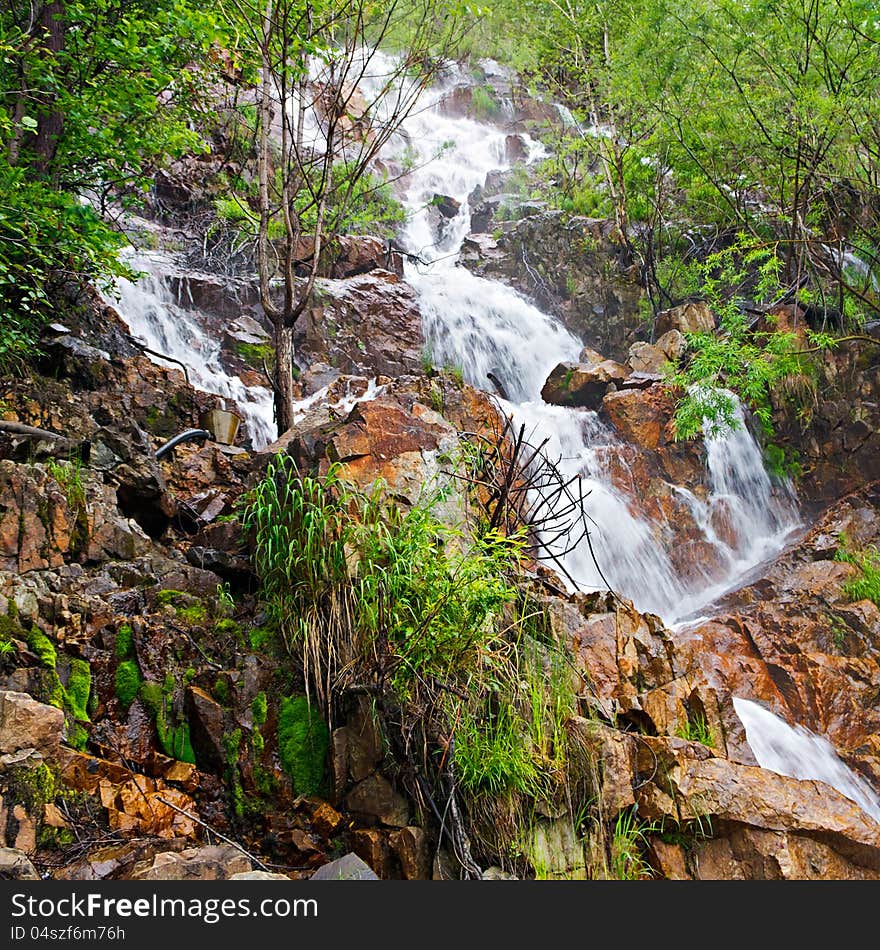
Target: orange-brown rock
(640, 416)
(582, 384)
(686, 318)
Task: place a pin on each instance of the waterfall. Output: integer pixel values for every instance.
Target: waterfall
(153, 315)
(480, 326)
(799, 753)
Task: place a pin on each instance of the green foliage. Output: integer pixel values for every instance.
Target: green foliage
(783, 462)
(628, 843)
(303, 743)
(128, 682)
(484, 103)
(867, 560)
(696, 729)
(752, 364)
(113, 99)
(256, 354)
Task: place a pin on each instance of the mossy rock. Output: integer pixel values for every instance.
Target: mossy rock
(128, 682)
(303, 743)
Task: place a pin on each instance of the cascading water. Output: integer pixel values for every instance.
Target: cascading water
(154, 317)
(799, 753)
(482, 327)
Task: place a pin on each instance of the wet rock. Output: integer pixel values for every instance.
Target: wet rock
(639, 416)
(371, 844)
(374, 800)
(687, 318)
(210, 863)
(573, 268)
(236, 570)
(15, 865)
(367, 325)
(28, 724)
(410, 844)
(347, 868)
(653, 358)
(582, 384)
(207, 720)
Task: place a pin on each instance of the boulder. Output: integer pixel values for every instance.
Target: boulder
(207, 720)
(582, 384)
(639, 416)
(28, 724)
(410, 844)
(686, 318)
(209, 863)
(374, 800)
(653, 358)
(367, 325)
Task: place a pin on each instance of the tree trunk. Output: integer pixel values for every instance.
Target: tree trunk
(284, 393)
(51, 121)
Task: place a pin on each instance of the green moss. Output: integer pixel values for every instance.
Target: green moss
(124, 642)
(221, 691)
(175, 739)
(256, 354)
(194, 615)
(79, 687)
(151, 696)
(261, 637)
(189, 675)
(227, 625)
(40, 644)
(128, 682)
(10, 628)
(259, 708)
(303, 743)
(33, 788)
(77, 735)
(173, 597)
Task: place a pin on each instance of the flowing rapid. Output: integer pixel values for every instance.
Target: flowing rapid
(799, 753)
(158, 319)
(482, 326)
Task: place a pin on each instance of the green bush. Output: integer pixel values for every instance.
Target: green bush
(303, 743)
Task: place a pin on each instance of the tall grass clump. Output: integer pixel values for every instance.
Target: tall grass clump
(425, 618)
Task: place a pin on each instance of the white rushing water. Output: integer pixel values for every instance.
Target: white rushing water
(482, 326)
(798, 753)
(156, 318)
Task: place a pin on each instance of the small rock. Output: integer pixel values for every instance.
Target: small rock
(347, 868)
(27, 724)
(15, 865)
(258, 876)
(375, 799)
